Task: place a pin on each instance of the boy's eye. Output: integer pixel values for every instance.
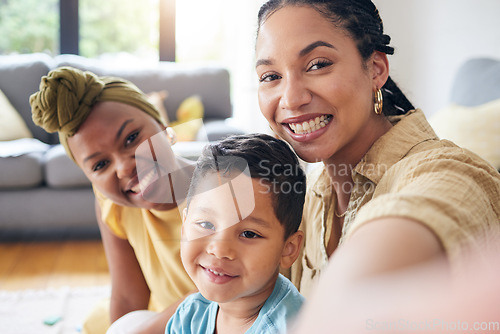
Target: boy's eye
(250, 235)
(206, 225)
(131, 138)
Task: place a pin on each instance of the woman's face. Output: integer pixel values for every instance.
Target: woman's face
(107, 146)
(315, 90)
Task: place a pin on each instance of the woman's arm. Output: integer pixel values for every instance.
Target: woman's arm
(402, 292)
(365, 274)
(384, 245)
(129, 290)
(373, 272)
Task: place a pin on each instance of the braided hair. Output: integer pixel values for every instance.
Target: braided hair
(361, 20)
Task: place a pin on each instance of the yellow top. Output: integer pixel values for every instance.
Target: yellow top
(408, 172)
(155, 237)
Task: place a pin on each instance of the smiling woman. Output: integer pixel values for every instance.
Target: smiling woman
(390, 194)
(102, 123)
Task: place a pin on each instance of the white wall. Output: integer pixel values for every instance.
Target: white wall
(433, 38)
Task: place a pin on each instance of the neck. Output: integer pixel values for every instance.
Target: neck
(340, 165)
(239, 315)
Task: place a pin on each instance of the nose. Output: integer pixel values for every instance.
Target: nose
(294, 94)
(221, 247)
(125, 167)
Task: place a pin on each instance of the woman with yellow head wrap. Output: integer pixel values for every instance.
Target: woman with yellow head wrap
(108, 127)
(67, 96)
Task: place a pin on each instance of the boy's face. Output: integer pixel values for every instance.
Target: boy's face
(229, 259)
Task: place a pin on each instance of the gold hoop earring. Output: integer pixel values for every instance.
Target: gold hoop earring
(379, 102)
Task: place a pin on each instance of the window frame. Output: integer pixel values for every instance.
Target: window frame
(69, 35)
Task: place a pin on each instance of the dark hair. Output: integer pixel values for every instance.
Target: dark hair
(361, 20)
(268, 159)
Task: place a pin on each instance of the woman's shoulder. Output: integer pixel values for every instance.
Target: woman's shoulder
(443, 156)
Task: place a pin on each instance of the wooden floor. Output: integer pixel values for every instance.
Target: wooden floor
(52, 264)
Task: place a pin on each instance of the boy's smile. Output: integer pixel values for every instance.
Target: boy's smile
(229, 258)
(218, 275)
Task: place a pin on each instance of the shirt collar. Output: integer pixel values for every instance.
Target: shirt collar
(408, 131)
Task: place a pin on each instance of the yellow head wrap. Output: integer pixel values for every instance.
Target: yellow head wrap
(67, 95)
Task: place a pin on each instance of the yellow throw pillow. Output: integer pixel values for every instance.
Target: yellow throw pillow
(189, 118)
(474, 128)
(12, 125)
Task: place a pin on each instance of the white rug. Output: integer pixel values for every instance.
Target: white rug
(29, 311)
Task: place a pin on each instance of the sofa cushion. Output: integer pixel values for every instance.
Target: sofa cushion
(61, 171)
(475, 128)
(24, 171)
(20, 77)
(21, 163)
(211, 83)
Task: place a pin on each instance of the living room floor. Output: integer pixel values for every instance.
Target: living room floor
(41, 264)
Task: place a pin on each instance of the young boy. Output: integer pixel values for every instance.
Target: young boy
(240, 226)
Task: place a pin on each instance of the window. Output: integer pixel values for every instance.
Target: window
(29, 26)
(109, 26)
(220, 31)
(224, 32)
(115, 26)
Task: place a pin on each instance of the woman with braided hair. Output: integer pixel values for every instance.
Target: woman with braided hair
(107, 126)
(390, 194)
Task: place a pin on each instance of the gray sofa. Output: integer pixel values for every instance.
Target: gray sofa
(41, 189)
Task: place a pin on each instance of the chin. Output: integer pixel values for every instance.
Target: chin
(311, 156)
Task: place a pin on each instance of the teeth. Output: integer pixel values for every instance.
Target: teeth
(216, 273)
(143, 182)
(311, 125)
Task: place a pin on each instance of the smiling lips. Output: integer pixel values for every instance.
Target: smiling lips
(143, 183)
(310, 125)
(217, 276)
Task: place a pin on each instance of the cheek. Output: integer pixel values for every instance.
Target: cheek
(267, 103)
(265, 258)
(186, 254)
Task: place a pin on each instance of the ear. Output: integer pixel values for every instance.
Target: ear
(380, 69)
(291, 250)
(184, 215)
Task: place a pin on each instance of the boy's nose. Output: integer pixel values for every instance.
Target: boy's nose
(221, 248)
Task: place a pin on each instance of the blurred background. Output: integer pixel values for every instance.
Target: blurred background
(432, 39)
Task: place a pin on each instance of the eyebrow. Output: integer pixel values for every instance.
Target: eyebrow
(120, 130)
(302, 52)
(91, 156)
(259, 221)
(313, 46)
(263, 62)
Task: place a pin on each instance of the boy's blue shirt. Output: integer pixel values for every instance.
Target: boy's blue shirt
(196, 315)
